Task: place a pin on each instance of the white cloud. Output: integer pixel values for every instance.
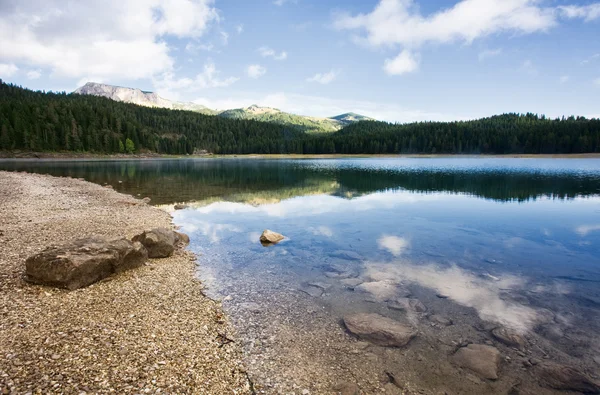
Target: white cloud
(192, 47)
(113, 38)
(7, 70)
(590, 59)
(255, 71)
(324, 78)
(400, 22)
(564, 79)
(239, 28)
(267, 52)
(597, 82)
(528, 67)
(405, 62)
(282, 2)
(167, 85)
(583, 230)
(588, 12)
(489, 53)
(394, 244)
(34, 74)
(224, 37)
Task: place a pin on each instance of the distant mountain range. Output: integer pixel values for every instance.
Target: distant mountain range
(265, 114)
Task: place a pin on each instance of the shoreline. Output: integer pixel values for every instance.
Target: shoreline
(151, 156)
(147, 330)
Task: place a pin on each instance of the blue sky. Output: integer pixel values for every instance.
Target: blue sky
(397, 60)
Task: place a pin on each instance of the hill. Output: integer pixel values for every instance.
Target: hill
(267, 114)
(139, 97)
(254, 112)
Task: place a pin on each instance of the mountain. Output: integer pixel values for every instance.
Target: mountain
(350, 117)
(254, 112)
(139, 97)
(299, 122)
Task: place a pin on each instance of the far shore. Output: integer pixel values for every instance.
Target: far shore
(147, 156)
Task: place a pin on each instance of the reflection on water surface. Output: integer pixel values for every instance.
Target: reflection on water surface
(499, 252)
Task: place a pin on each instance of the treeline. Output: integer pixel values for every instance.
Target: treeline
(39, 121)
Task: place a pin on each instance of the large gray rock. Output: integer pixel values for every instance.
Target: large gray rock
(270, 237)
(83, 262)
(479, 358)
(566, 378)
(379, 329)
(160, 242)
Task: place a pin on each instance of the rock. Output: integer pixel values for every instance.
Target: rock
(251, 306)
(181, 206)
(566, 378)
(441, 295)
(159, 242)
(146, 200)
(346, 389)
(479, 358)
(84, 262)
(509, 338)
(597, 360)
(380, 290)
(438, 319)
(182, 238)
(379, 329)
(347, 255)
(352, 282)
(312, 290)
(406, 304)
(270, 237)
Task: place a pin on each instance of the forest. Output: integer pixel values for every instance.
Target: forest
(47, 121)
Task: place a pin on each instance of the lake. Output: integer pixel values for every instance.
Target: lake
(499, 252)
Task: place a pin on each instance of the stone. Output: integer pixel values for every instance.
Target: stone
(270, 237)
(346, 255)
(379, 330)
(312, 290)
(381, 291)
(352, 282)
(344, 388)
(566, 378)
(159, 242)
(182, 238)
(181, 206)
(597, 360)
(509, 338)
(479, 358)
(438, 319)
(407, 304)
(83, 262)
(146, 200)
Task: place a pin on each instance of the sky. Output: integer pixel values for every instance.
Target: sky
(394, 60)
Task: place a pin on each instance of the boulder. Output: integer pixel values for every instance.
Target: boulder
(270, 237)
(182, 238)
(479, 358)
(159, 242)
(379, 329)
(566, 378)
(509, 338)
(84, 262)
(180, 206)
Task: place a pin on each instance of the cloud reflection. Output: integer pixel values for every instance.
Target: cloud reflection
(583, 230)
(394, 244)
(464, 288)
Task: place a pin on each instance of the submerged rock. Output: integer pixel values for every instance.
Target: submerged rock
(509, 338)
(566, 378)
(438, 319)
(407, 304)
(160, 242)
(270, 237)
(84, 262)
(181, 206)
(479, 358)
(312, 290)
(347, 255)
(380, 290)
(379, 329)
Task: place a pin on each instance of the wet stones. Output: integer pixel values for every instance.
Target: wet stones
(84, 262)
(509, 338)
(379, 330)
(379, 290)
(479, 358)
(566, 378)
(159, 242)
(312, 290)
(268, 237)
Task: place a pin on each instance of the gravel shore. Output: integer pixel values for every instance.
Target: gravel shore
(149, 330)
